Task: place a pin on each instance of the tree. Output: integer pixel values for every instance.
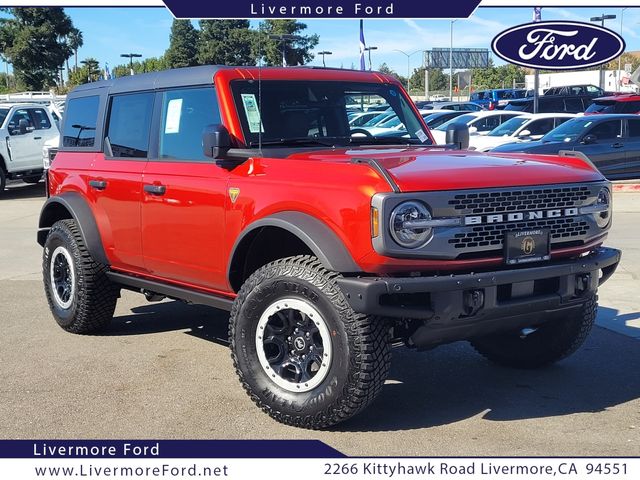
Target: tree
(34, 42)
(384, 68)
(92, 69)
(78, 76)
(225, 42)
(297, 52)
(151, 64)
(497, 77)
(75, 41)
(183, 45)
(437, 79)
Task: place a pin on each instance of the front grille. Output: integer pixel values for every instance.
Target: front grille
(479, 203)
(562, 230)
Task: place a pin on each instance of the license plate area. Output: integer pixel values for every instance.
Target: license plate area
(526, 246)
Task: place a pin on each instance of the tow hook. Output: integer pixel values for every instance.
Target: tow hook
(473, 301)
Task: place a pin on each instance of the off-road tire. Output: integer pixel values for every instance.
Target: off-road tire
(551, 342)
(361, 350)
(32, 180)
(94, 297)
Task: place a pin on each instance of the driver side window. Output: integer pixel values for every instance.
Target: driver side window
(607, 130)
(14, 123)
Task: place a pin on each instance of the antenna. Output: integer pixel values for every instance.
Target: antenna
(260, 55)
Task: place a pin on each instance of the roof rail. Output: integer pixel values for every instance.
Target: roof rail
(38, 97)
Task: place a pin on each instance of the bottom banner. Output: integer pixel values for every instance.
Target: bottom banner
(314, 468)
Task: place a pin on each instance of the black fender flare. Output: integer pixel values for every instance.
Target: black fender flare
(316, 235)
(80, 211)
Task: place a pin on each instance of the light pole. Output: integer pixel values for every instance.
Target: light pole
(601, 19)
(283, 39)
(323, 53)
(131, 56)
(618, 76)
(451, 60)
(408, 55)
(368, 49)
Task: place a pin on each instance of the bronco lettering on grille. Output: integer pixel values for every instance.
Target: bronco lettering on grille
(520, 216)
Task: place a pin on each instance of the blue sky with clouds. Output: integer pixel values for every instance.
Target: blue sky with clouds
(108, 32)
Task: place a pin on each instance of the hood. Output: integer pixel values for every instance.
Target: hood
(422, 168)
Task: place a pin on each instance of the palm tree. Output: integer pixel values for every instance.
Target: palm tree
(75, 42)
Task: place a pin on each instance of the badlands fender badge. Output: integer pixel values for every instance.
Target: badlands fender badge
(558, 45)
(233, 194)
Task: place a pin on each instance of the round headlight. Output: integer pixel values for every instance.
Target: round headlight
(405, 224)
(603, 217)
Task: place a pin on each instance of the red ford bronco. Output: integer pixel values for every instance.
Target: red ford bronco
(246, 189)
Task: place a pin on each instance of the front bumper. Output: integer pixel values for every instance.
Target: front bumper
(456, 307)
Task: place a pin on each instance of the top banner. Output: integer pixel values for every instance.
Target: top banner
(296, 9)
(321, 9)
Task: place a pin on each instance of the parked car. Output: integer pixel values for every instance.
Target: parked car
(479, 123)
(435, 118)
(496, 98)
(611, 141)
(576, 90)
(360, 118)
(24, 129)
(523, 128)
(460, 106)
(325, 248)
(625, 103)
(552, 104)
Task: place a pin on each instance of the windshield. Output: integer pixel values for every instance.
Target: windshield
(461, 119)
(290, 112)
(3, 114)
(508, 128)
(568, 131)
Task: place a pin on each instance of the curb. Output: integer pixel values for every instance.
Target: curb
(626, 187)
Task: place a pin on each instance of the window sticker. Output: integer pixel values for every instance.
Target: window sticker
(174, 111)
(421, 136)
(253, 113)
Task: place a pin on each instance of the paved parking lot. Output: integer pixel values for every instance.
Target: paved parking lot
(163, 371)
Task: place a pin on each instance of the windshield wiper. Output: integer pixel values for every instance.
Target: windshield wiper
(296, 141)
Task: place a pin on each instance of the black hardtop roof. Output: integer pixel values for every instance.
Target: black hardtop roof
(179, 77)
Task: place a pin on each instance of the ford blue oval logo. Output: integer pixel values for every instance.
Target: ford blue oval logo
(558, 45)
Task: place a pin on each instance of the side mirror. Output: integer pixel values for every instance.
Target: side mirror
(589, 139)
(458, 136)
(473, 129)
(524, 133)
(22, 126)
(216, 141)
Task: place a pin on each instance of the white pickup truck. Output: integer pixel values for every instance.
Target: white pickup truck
(24, 129)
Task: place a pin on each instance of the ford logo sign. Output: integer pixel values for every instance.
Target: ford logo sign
(558, 45)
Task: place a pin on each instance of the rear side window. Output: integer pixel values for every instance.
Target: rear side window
(40, 119)
(573, 105)
(130, 124)
(80, 117)
(185, 114)
(634, 129)
(629, 107)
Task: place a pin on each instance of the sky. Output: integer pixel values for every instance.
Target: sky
(108, 32)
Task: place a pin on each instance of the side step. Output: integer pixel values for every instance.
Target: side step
(171, 291)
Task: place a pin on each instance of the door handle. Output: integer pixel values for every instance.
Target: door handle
(617, 145)
(155, 189)
(98, 184)
(37, 138)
